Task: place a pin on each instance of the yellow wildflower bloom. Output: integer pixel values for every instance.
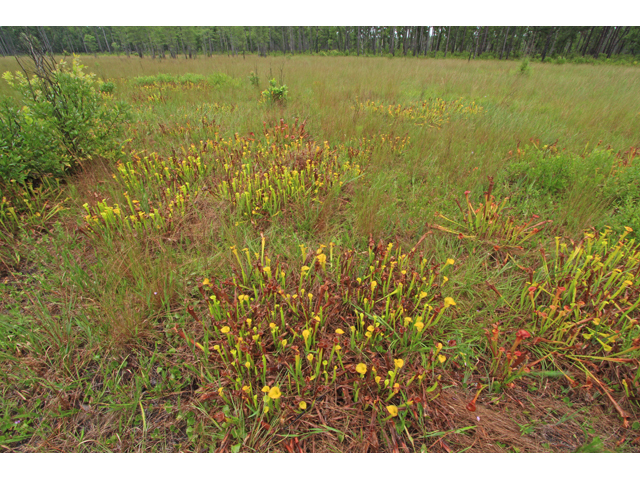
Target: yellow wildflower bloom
(393, 410)
(361, 368)
(274, 393)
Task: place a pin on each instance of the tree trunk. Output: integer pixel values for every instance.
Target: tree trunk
(405, 42)
(428, 41)
(475, 52)
(105, 40)
(504, 44)
(598, 46)
(546, 44)
(612, 40)
(586, 43)
(484, 40)
(617, 42)
(392, 43)
(446, 46)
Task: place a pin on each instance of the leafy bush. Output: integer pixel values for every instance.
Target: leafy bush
(548, 171)
(275, 93)
(524, 68)
(63, 119)
(107, 87)
(254, 79)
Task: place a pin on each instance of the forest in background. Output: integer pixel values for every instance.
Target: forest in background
(575, 43)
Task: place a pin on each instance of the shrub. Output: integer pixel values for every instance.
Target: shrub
(254, 79)
(524, 68)
(63, 120)
(275, 93)
(107, 87)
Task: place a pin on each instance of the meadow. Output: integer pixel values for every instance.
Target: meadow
(387, 255)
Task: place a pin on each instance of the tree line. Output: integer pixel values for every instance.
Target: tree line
(436, 41)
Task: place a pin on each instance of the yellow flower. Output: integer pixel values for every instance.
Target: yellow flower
(248, 364)
(274, 393)
(272, 325)
(246, 388)
(422, 295)
(249, 322)
(305, 334)
(284, 343)
(442, 358)
(216, 348)
(628, 229)
(448, 301)
(450, 261)
(220, 391)
(265, 389)
(398, 362)
(225, 329)
(338, 347)
(310, 357)
(339, 331)
(374, 284)
(266, 409)
(419, 326)
(206, 282)
(303, 405)
(378, 378)
(445, 280)
(393, 410)
(361, 368)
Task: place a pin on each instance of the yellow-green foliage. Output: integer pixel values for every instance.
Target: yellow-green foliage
(586, 295)
(259, 176)
(433, 113)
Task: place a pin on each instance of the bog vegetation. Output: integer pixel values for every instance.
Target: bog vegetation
(318, 254)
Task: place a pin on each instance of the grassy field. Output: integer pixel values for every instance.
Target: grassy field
(404, 255)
